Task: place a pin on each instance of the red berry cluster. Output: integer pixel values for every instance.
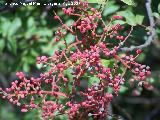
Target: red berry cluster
(81, 59)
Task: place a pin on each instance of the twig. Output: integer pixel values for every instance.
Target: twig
(152, 35)
(129, 34)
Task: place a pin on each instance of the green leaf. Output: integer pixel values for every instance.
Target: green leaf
(129, 16)
(69, 38)
(4, 26)
(159, 7)
(34, 115)
(12, 45)
(119, 22)
(68, 72)
(110, 8)
(30, 32)
(105, 62)
(151, 80)
(128, 2)
(69, 22)
(7, 109)
(34, 52)
(93, 80)
(156, 15)
(15, 25)
(95, 1)
(123, 89)
(91, 118)
(44, 32)
(62, 117)
(141, 57)
(2, 45)
(26, 67)
(139, 19)
(110, 90)
(39, 66)
(30, 22)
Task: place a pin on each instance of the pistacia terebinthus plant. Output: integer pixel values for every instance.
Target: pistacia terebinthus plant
(60, 89)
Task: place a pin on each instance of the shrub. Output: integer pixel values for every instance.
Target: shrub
(76, 81)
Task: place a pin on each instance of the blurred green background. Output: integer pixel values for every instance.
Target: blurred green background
(28, 31)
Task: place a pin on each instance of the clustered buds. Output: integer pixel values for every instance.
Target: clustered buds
(80, 59)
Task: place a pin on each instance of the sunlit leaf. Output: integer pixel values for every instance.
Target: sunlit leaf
(96, 1)
(139, 19)
(110, 8)
(30, 22)
(123, 89)
(4, 26)
(105, 62)
(159, 7)
(69, 22)
(156, 15)
(15, 25)
(129, 16)
(128, 2)
(121, 22)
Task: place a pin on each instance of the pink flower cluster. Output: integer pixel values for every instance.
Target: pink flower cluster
(80, 59)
